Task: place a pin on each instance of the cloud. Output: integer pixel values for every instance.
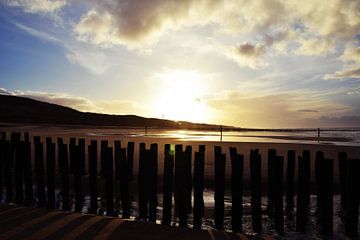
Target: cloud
(343, 121)
(315, 47)
(351, 65)
(38, 6)
(247, 54)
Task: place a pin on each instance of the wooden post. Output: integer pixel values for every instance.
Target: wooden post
(290, 179)
(50, 167)
(26, 137)
(92, 153)
(19, 171)
(303, 193)
(153, 180)
(352, 196)
(325, 192)
(220, 160)
(143, 211)
(124, 185)
(109, 183)
(64, 159)
(77, 178)
(39, 169)
(270, 180)
(2, 160)
(188, 177)
(130, 159)
(72, 153)
(82, 156)
(60, 143)
(199, 186)
(278, 167)
(8, 171)
(29, 197)
(255, 178)
(103, 157)
(318, 158)
(342, 177)
(237, 168)
(180, 186)
(167, 184)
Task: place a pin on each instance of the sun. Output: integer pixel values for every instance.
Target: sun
(179, 95)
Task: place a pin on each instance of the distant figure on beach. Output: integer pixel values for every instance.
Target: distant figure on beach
(221, 131)
(318, 134)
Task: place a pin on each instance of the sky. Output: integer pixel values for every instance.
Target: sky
(258, 63)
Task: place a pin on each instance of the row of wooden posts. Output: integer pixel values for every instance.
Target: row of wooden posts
(117, 164)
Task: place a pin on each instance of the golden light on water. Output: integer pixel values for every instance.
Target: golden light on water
(179, 96)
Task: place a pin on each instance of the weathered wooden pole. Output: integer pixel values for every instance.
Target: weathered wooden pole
(153, 180)
(130, 159)
(143, 210)
(277, 189)
(29, 197)
(81, 157)
(270, 180)
(290, 179)
(77, 178)
(50, 172)
(19, 171)
(103, 157)
(325, 193)
(352, 197)
(342, 161)
(180, 186)
(65, 174)
(8, 171)
(220, 160)
(318, 158)
(124, 185)
(72, 153)
(168, 184)
(39, 169)
(109, 182)
(92, 153)
(199, 186)
(237, 169)
(303, 193)
(255, 178)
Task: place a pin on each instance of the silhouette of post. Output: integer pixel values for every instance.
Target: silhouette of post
(318, 158)
(65, 174)
(29, 197)
(188, 177)
(325, 193)
(60, 143)
(19, 172)
(167, 184)
(303, 193)
(39, 169)
(220, 160)
(255, 179)
(153, 180)
(77, 178)
(143, 210)
(180, 186)
(237, 168)
(72, 153)
(199, 186)
(278, 167)
(130, 159)
(2, 160)
(92, 153)
(124, 184)
(103, 157)
(342, 177)
(8, 171)
(271, 165)
(109, 182)
(290, 179)
(50, 170)
(352, 197)
(82, 156)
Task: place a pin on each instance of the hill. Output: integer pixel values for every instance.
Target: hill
(15, 109)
